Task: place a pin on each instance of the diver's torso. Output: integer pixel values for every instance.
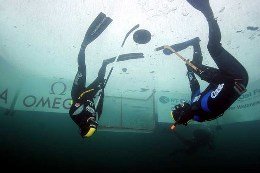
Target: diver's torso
(214, 100)
(83, 108)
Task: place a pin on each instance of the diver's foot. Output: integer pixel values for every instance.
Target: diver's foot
(195, 41)
(84, 43)
(202, 5)
(180, 46)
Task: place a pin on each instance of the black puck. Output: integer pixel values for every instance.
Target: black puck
(142, 36)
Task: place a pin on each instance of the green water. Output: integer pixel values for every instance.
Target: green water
(50, 142)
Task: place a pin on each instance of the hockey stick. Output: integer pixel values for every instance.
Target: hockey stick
(123, 43)
(126, 36)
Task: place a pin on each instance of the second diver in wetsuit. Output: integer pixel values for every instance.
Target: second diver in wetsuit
(226, 84)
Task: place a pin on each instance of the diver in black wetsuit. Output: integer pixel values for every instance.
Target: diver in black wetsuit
(83, 110)
(226, 83)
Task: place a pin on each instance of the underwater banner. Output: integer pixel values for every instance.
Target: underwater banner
(37, 95)
(46, 95)
(246, 108)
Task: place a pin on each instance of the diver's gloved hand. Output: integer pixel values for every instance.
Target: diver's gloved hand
(88, 127)
(182, 113)
(92, 122)
(189, 67)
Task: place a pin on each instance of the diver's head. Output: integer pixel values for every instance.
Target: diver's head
(89, 128)
(181, 113)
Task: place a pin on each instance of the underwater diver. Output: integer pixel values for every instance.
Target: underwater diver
(83, 110)
(226, 84)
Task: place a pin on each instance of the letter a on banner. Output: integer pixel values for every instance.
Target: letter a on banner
(4, 95)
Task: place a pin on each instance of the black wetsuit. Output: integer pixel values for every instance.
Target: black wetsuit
(83, 110)
(224, 82)
(83, 106)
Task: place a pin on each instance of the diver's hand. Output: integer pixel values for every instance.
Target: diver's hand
(92, 120)
(182, 113)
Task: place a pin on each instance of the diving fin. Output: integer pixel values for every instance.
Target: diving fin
(100, 23)
(180, 46)
(124, 57)
(129, 56)
(199, 4)
(203, 6)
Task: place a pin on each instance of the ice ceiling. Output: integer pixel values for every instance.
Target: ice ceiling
(42, 39)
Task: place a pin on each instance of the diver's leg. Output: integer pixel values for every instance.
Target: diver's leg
(99, 81)
(226, 63)
(214, 31)
(98, 85)
(197, 55)
(180, 46)
(95, 29)
(80, 78)
(102, 70)
(224, 60)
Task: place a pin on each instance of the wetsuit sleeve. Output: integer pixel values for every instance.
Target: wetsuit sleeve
(195, 92)
(194, 85)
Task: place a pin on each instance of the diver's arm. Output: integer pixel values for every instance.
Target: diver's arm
(194, 84)
(98, 83)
